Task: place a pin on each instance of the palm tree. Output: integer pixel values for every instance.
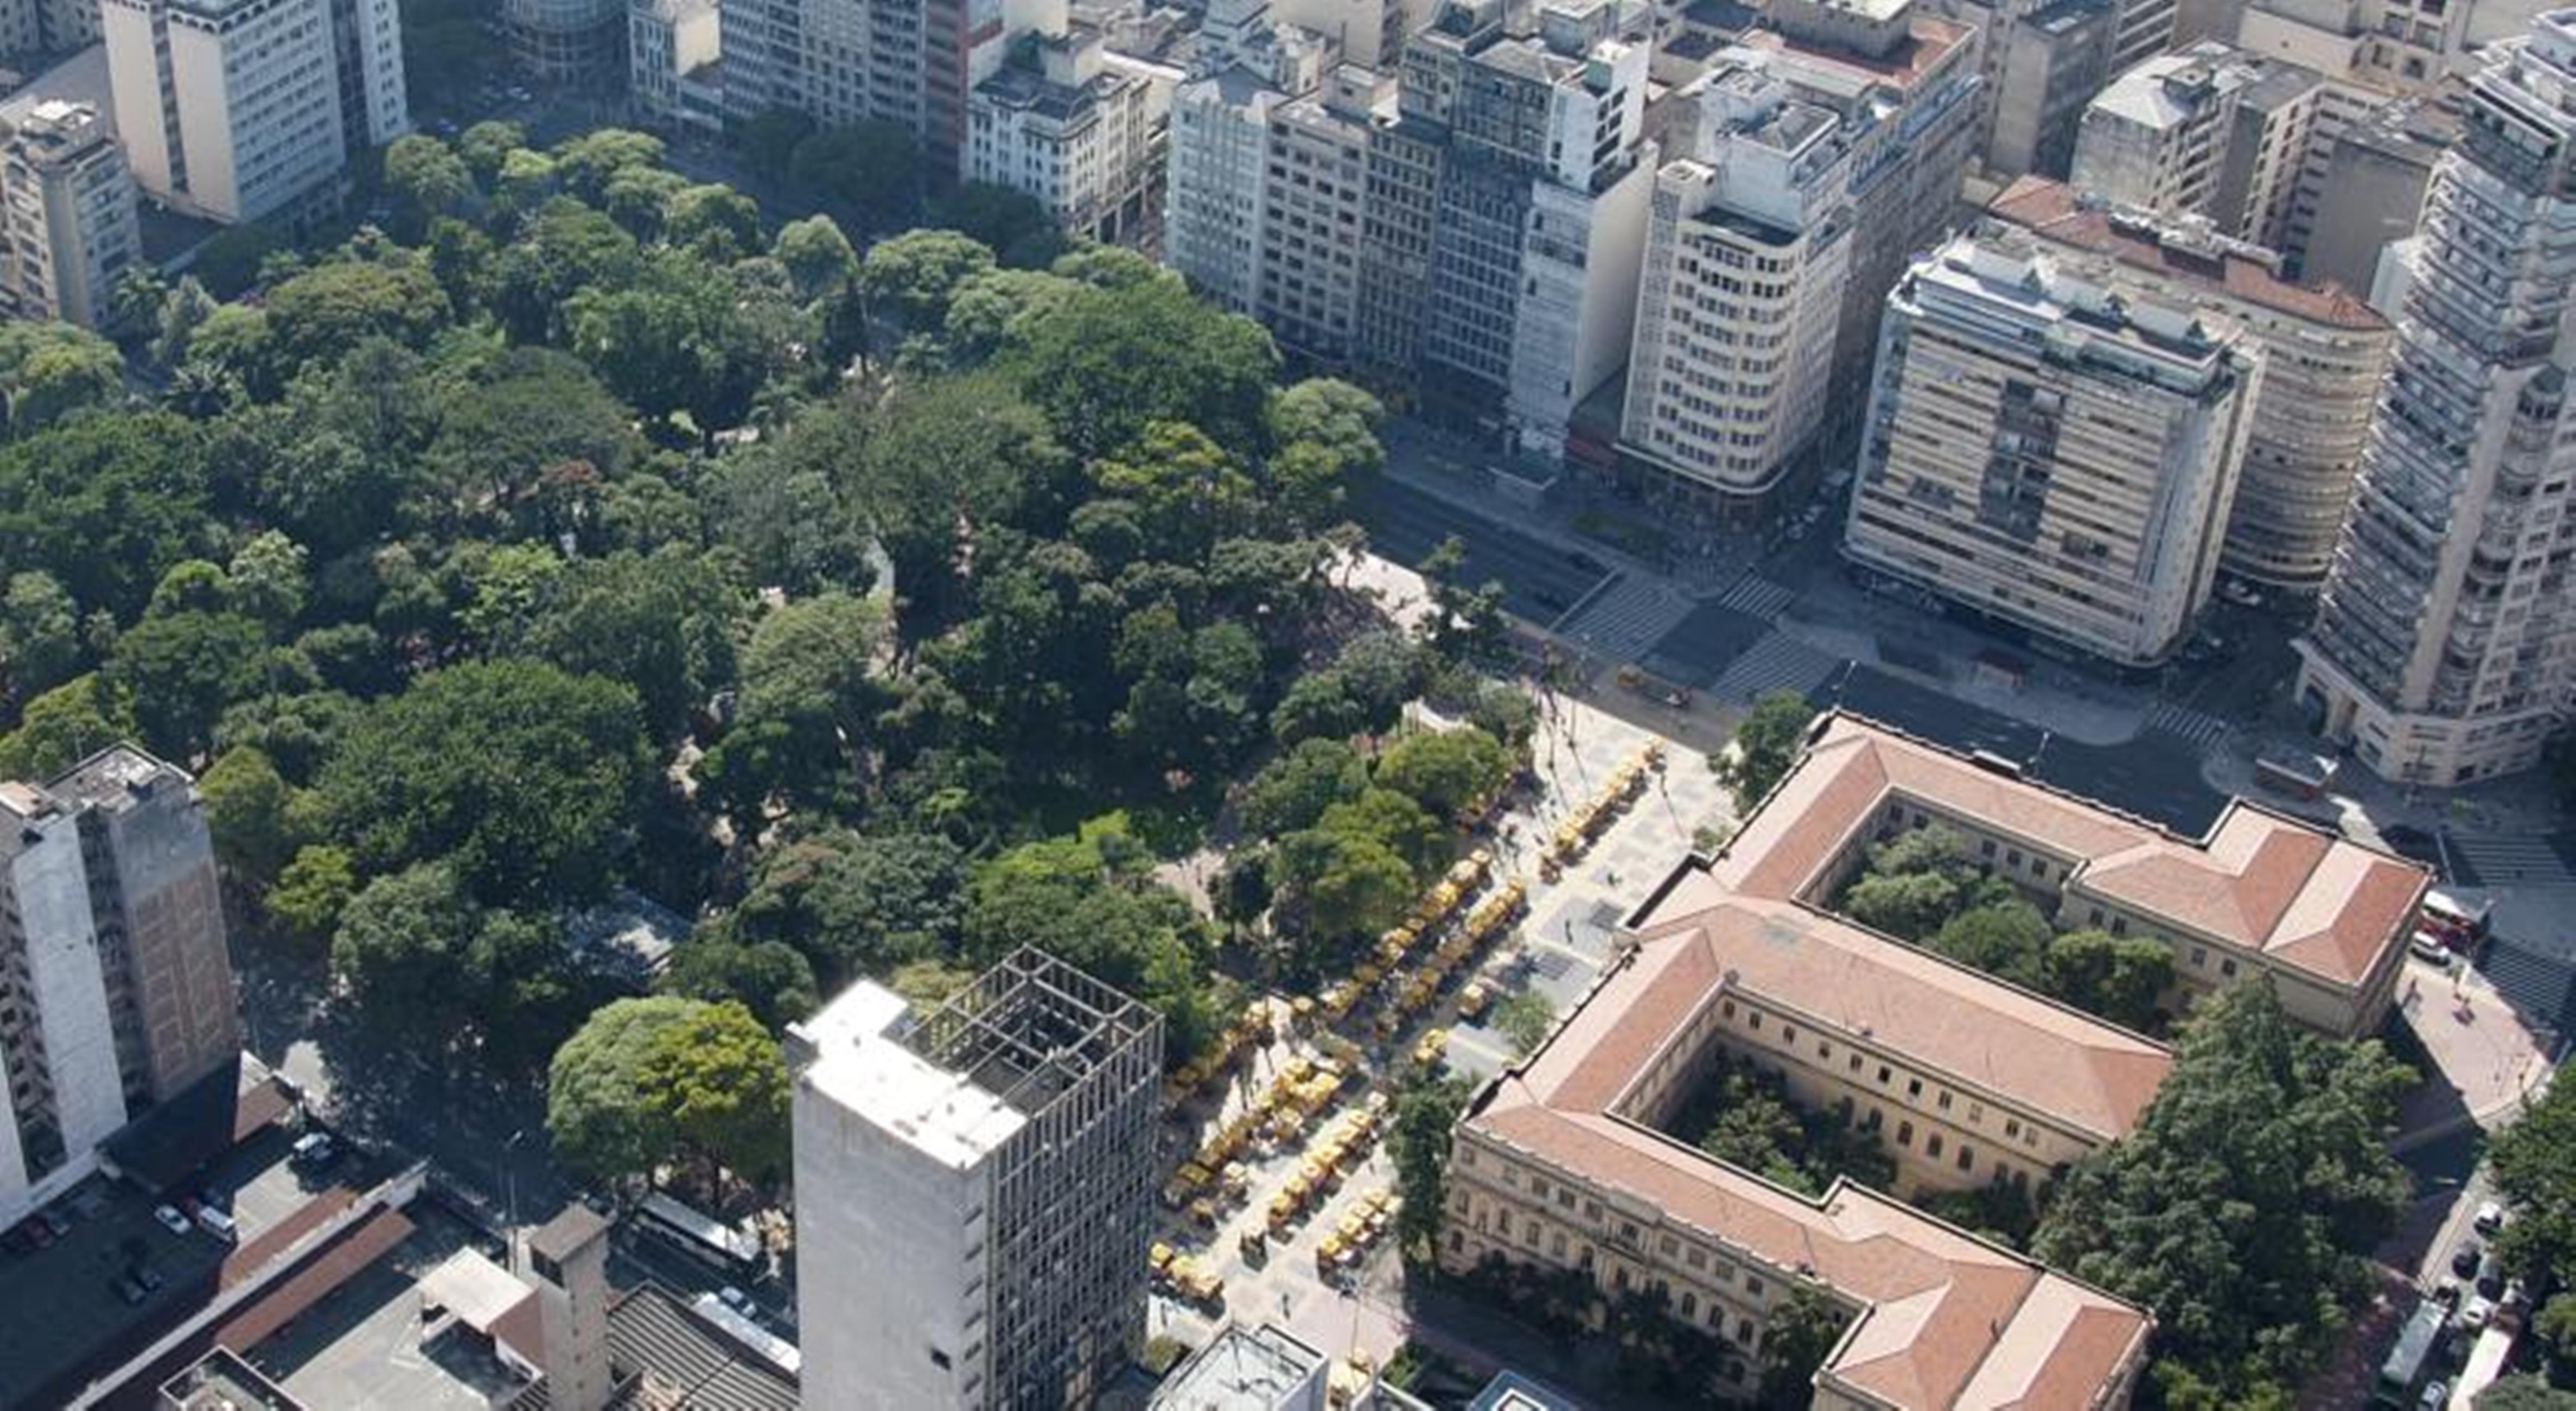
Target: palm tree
(134, 303)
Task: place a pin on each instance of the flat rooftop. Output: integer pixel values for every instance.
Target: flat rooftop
(61, 1321)
(861, 1063)
(2054, 211)
(362, 1343)
(1244, 1369)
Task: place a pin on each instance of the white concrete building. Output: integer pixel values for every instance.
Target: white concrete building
(666, 41)
(115, 988)
(2050, 453)
(67, 210)
(1746, 259)
(1213, 182)
(1078, 128)
(232, 109)
(2444, 648)
(2210, 131)
(2324, 354)
(974, 1191)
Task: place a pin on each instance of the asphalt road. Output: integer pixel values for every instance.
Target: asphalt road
(1540, 581)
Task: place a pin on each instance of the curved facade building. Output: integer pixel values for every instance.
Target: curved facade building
(568, 43)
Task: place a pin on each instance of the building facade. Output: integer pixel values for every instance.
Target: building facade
(2442, 647)
(574, 44)
(913, 63)
(2051, 65)
(1747, 253)
(2210, 132)
(999, 1151)
(666, 42)
(1078, 129)
(67, 207)
(2051, 454)
(231, 110)
(1563, 1162)
(116, 992)
(2324, 352)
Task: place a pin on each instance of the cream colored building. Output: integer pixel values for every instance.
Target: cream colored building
(2323, 354)
(1562, 1162)
(1748, 248)
(232, 109)
(67, 205)
(666, 41)
(2049, 453)
(1079, 129)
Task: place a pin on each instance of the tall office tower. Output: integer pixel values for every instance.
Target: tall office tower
(1312, 206)
(974, 1191)
(2211, 131)
(909, 62)
(2324, 352)
(1078, 129)
(2442, 645)
(2049, 453)
(1538, 216)
(115, 989)
(231, 109)
(1746, 257)
(1904, 88)
(67, 213)
(1214, 177)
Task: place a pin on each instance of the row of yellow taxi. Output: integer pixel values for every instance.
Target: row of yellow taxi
(1593, 817)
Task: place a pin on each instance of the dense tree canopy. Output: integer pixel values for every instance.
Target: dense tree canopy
(2241, 1207)
(1766, 743)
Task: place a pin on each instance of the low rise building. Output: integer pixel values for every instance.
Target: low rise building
(1079, 129)
(2049, 452)
(1266, 1368)
(67, 209)
(2323, 354)
(1563, 1161)
(666, 42)
(2211, 131)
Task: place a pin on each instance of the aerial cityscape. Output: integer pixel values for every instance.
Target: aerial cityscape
(1287, 705)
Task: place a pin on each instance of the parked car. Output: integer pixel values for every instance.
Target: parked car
(2491, 1278)
(2466, 1258)
(735, 1299)
(2436, 1396)
(171, 1219)
(147, 1276)
(2489, 1219)
(312, 1151)
(2477, 1315)
(126, 1289)
(217, 1223)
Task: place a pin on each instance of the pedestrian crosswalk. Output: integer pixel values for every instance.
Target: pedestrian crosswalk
(1778, 662)
(2198, 727)
(2517, 860)
(1757, 596)
(1621, 621)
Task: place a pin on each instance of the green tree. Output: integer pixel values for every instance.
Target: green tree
(2007, 939)
(2524, 1393)
(1295, 788)
(817, 255)
(105, 505)
(50, 370)
(1326, 433)
(40, 640)
(180, 671)
(664, 625)
(1445, 770)
(2534, 1161)
(938, 452)
(2240, 1207)
(1394, 821)
(857, 904)
(251, 812)
(1340, 885)
(427, 180)
(1007, 221)
(1104, 364)
(1526, 1018)
(716, 1076)
(868, 174)
(312, 891)
(770, 978)
(1910, 906)
(599, 1112)
(909, 279)
(1795, 1342)
(929, 983)
(400, 948)
(524, 774)
(486, 145)
(768, 140)
(331, 308)
(1426, 1114)
(717, 223)
(587, 163)
(267, 580)
(1765, 744)
(2121, 978)
(61, 727)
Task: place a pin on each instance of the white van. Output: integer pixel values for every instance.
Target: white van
(217, 1223)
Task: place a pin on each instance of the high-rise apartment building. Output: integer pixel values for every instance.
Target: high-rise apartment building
(1746, 257)
(2324, 352)
(115, 989)
(666, 42)
(67, 215)
(2210, 131)
(974, 1191)
(2444, 648)
(232, 109)
(914, 63)
(1078, 129)
(2137, 30)
(1313, 204)
(2049, 67)
(2049, 452)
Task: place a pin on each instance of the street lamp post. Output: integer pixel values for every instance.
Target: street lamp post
(510, 1193)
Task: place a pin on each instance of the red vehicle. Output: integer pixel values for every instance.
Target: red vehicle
(2460, 925)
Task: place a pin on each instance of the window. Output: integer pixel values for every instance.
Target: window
(2012, 1126)
(939, 1359)
(1752, 1286)
(1788, 1033)
(1538, 1187)
(2012, 857)
(1967, 1156)
(1882, 1073)
(1619, 1278)
(1823, 1049)
(1855, 1063)
(1690, 1304)
(1932, 1144)
(1556, 1244)
(1914, 1087)
(1727, 1010)
(1943, 1101)
(1905, 1134)
(2200, 955)
(1976, 1112)
(2227, 967)
(1755, 1021)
